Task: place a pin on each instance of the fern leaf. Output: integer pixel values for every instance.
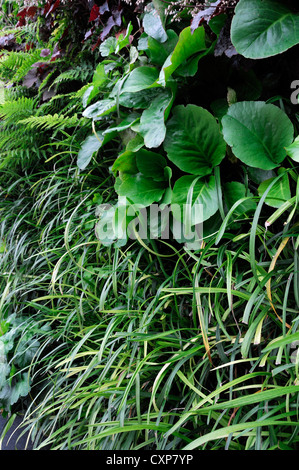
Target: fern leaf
(14, 111)
(50, 121)
(81, 73)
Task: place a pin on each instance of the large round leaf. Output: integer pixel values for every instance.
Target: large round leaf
(194, 198)
(279, 193)
(233, 191)
(139, 79)
(263, 28)
(100, 109)
(140, 189)
(193, 140)
(152, 126)
(257, 133)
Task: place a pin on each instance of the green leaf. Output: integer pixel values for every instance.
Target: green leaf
(257, 133)
(20, 389)
(139, 79)
(193, 140)
(87, 97)
(141, 99)
(88, 148)
(100, 77)
(151, 164)
(190, 66)
(247, 427)
(293, 150)
(4, 372)
(100, 109)
(187, 45)
(217, 22)
(108, 46)
(152, 126)
(158, 52)
(91, 145)
(126, 163)
(99, 80)
(282, 341)
(204, 193)
(233, 192)
(140, 189)
(263, 28)
(127, 122)
(279, 193)
(26, 351)
(123, 41)
(135, 143)
(153, 26)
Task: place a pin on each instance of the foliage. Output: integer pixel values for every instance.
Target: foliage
(111, 341)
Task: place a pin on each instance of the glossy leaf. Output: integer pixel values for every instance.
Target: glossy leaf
(100, 109)
(257, 133)
(293, 150)
(193, 140)
(279, 193)
(91, 145)
(152, 125)
(141, 99)
(153, 26)
(125, 163)
(139, 79)
(108, 46)
(123, 40)
(127, 122)
(88, 148)
(151, 164)
(263, 28)
(233, 191)
(156, 51)
(187, 45)
(140, 189)
(204, 193)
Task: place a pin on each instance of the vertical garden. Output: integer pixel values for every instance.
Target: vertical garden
(120, 330)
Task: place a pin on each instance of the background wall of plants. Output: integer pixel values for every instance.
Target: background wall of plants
(150, 343)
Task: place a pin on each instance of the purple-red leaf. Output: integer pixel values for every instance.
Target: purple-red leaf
(94, 14)
(205, 15)
(7, 40)
(45, 52)
(117, 16)
(31, 78)
(104, 8)
(107, 28)
(22, 13)
(31, 11)
(88, 34)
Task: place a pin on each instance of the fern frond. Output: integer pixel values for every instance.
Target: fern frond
(64, 103)
(50, 121)
(46, 80)
(14, 111)
(2, 93)
(27, 32)
(15, 92)
(81, 73)
(10, 62)
(79, 93)
(29, 59)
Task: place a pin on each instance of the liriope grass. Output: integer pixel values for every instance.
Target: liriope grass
(134, 350)
(182, 352)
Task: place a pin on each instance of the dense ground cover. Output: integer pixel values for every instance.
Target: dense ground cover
(110, 341)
